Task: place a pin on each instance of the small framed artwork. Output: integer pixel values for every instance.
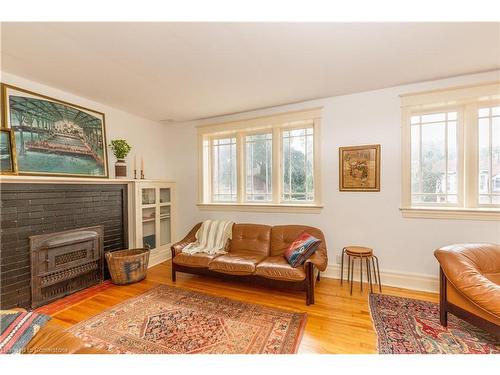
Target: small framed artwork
(359, 168)
(7, 152)
(53, 137)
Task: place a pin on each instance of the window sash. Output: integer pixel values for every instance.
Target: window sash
(450, 117)
(488, 119)
(215, 151)
(250, 142)
(287, 195)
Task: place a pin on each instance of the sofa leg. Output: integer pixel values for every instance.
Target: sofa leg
(443, 313)
(173, 273)
(309, 284)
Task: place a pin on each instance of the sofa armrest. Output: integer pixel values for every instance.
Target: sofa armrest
(190, 237)
(464, 266)
(319, 259)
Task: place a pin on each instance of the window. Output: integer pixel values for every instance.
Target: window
(451, 152)
(269, 161)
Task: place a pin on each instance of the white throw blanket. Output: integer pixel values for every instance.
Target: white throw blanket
(211, 238)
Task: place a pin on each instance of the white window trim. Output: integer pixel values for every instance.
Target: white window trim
(276, 124)
(465, 100)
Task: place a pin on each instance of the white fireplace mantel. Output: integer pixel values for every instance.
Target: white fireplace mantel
(68, 180)
(134, 208)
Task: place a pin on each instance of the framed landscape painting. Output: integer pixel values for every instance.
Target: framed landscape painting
(53, 137)
(359, 168)
(7, 152)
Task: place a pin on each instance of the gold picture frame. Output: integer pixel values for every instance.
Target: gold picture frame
(8, 161)
(73, 145)
(359, 168)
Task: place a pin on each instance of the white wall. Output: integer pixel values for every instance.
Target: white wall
(373, 219)
(146, 137)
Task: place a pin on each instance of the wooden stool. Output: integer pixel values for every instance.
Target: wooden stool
(354, 252)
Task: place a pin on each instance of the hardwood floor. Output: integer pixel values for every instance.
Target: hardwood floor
(337, 322)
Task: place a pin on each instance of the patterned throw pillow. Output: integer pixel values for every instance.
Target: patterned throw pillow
(302, 248)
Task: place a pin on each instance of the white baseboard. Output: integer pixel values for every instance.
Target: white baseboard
(413, 281)
(158, 256)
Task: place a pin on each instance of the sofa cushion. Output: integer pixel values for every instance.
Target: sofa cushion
(195, 260)
(277, 268)
(282, 236)
(240, 262)
(253, 238)
(301, 249)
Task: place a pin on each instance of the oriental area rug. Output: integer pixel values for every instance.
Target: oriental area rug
(171, 320)
(409, 326)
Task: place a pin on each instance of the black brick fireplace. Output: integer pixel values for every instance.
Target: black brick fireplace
(33, 209)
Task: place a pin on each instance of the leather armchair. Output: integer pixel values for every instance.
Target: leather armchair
(470, 284)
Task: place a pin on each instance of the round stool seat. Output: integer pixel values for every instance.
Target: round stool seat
(358, 251)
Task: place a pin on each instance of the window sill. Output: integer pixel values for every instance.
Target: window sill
(262, 207)
(451, 213)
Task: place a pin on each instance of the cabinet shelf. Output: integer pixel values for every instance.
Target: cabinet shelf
(155, 221)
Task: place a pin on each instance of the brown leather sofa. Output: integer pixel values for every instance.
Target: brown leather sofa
(470, 284)
(255, 253)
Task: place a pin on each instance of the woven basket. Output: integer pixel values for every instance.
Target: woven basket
(127, 266)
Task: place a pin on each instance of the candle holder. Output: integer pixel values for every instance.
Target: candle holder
(135, 174)
(142, 174)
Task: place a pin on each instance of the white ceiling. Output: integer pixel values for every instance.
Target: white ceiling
(182, 71)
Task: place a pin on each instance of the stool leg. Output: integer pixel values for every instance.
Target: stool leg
(378, 275)
(348, 268)
(374, 270)
(351, 266)
(369, 274)
(361, 272)
(342, 267)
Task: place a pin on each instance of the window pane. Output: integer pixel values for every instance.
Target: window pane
(495, 154)
(224, 170)
(484, 112)
(489, 155)
(298, 165)
(433, 161)
(435, 117)
(415, 159)
(415, 119)
(434, 158)
(452, 181)
(259, 167)
(484, 156)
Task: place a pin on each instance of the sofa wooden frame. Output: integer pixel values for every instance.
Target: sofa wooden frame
(306, 285)
(446, 307)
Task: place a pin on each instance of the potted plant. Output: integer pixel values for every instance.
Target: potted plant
(120, 149)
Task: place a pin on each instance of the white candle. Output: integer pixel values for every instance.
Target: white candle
(135, 162)
(142, 163)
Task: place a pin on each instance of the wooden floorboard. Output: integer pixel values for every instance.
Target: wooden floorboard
(337, 322)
